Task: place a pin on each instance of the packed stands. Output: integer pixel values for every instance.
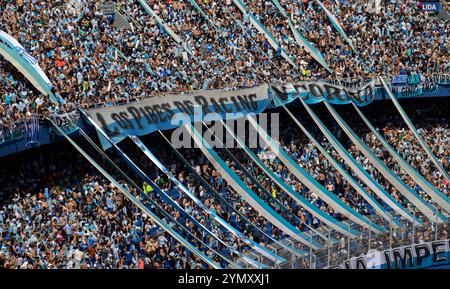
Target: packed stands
(65, 216)
(91, 62)
(57, 211)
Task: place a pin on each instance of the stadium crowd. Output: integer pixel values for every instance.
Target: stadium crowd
(86, 225)
(91, 62)
(60, 214)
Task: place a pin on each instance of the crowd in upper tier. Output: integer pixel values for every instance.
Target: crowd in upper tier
(90, 61)
(58, 213)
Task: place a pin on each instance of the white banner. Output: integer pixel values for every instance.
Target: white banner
(168, 111)
(316, 91)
